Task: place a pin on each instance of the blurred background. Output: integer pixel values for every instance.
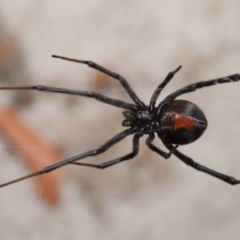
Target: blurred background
(147, 197)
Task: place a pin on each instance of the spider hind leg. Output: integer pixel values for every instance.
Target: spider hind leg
(187, 160)
(117, 160)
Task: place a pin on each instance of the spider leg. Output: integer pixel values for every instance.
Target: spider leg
(116, 76)
(156, 149)
(97, 96)
(67, 161)
(161, 87)
(187, 160)
(117, 160)
(193, 87)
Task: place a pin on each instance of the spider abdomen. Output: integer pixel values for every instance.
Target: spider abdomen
(183, 122)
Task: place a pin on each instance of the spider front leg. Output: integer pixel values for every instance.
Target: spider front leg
(187, 160)
(90, 94)
(116, 76)
(117, 160)
(156, 149)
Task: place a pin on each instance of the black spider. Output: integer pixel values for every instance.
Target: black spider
(176, 122)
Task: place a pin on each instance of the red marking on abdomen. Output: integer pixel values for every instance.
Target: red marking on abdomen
(184, 122)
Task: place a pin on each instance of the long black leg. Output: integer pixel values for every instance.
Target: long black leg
(67, 161)
(161, 87)
(197, 166)
(117, 160)
(156, 149)
(118, 77)
(195, 86)
(97, 96)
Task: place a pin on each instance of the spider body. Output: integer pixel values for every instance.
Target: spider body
(175, 122)
(180, 121)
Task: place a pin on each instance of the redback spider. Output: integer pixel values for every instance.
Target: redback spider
(176, 122)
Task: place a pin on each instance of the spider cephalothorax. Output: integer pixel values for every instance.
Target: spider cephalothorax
(176, 122)
(140, 118)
